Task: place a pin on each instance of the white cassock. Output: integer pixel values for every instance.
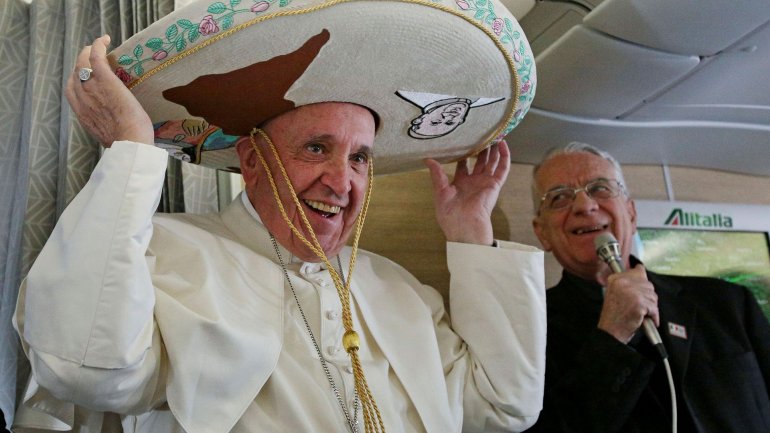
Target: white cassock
(185, 323)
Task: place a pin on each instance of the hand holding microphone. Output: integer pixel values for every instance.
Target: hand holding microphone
(620, 313)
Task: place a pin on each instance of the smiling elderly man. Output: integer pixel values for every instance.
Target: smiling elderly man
(260, 318)
(602, 374)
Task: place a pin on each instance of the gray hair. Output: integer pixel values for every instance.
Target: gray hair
(574, 147)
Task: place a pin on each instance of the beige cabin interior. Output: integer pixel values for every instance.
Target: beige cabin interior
(676, 90)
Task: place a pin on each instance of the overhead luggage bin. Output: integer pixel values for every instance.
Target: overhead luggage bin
(586, 73)
(688, 27)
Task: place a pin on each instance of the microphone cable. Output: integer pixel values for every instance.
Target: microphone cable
(673, 393)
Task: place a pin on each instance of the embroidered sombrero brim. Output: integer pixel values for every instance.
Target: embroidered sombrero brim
(446, 77)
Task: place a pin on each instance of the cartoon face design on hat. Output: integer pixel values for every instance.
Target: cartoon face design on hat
(441, 114)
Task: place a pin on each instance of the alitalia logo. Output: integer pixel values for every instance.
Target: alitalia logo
(678, 217)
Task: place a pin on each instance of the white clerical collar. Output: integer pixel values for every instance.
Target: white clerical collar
(250, 208)
(306, 268)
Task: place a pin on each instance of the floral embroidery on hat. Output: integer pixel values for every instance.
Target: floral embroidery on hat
(184, 31)
(510, 36)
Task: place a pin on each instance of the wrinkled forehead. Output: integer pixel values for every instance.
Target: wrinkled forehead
(572, 170)
(327, 123)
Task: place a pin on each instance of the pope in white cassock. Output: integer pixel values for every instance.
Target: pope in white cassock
(261, 318)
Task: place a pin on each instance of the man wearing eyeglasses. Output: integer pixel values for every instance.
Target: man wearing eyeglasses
(602, 374)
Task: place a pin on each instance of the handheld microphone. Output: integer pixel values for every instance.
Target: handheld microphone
(608, 249)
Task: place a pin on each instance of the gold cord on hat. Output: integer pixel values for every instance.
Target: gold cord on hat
(372, 418)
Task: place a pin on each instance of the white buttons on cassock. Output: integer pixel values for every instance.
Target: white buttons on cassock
(332, 314)
(333, 350)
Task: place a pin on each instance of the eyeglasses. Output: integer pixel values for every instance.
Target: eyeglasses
(597, 189)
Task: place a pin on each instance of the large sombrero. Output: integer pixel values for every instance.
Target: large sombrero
(445, 77)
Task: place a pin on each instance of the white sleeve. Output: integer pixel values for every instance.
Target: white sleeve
(85, 313)
(497, 304)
